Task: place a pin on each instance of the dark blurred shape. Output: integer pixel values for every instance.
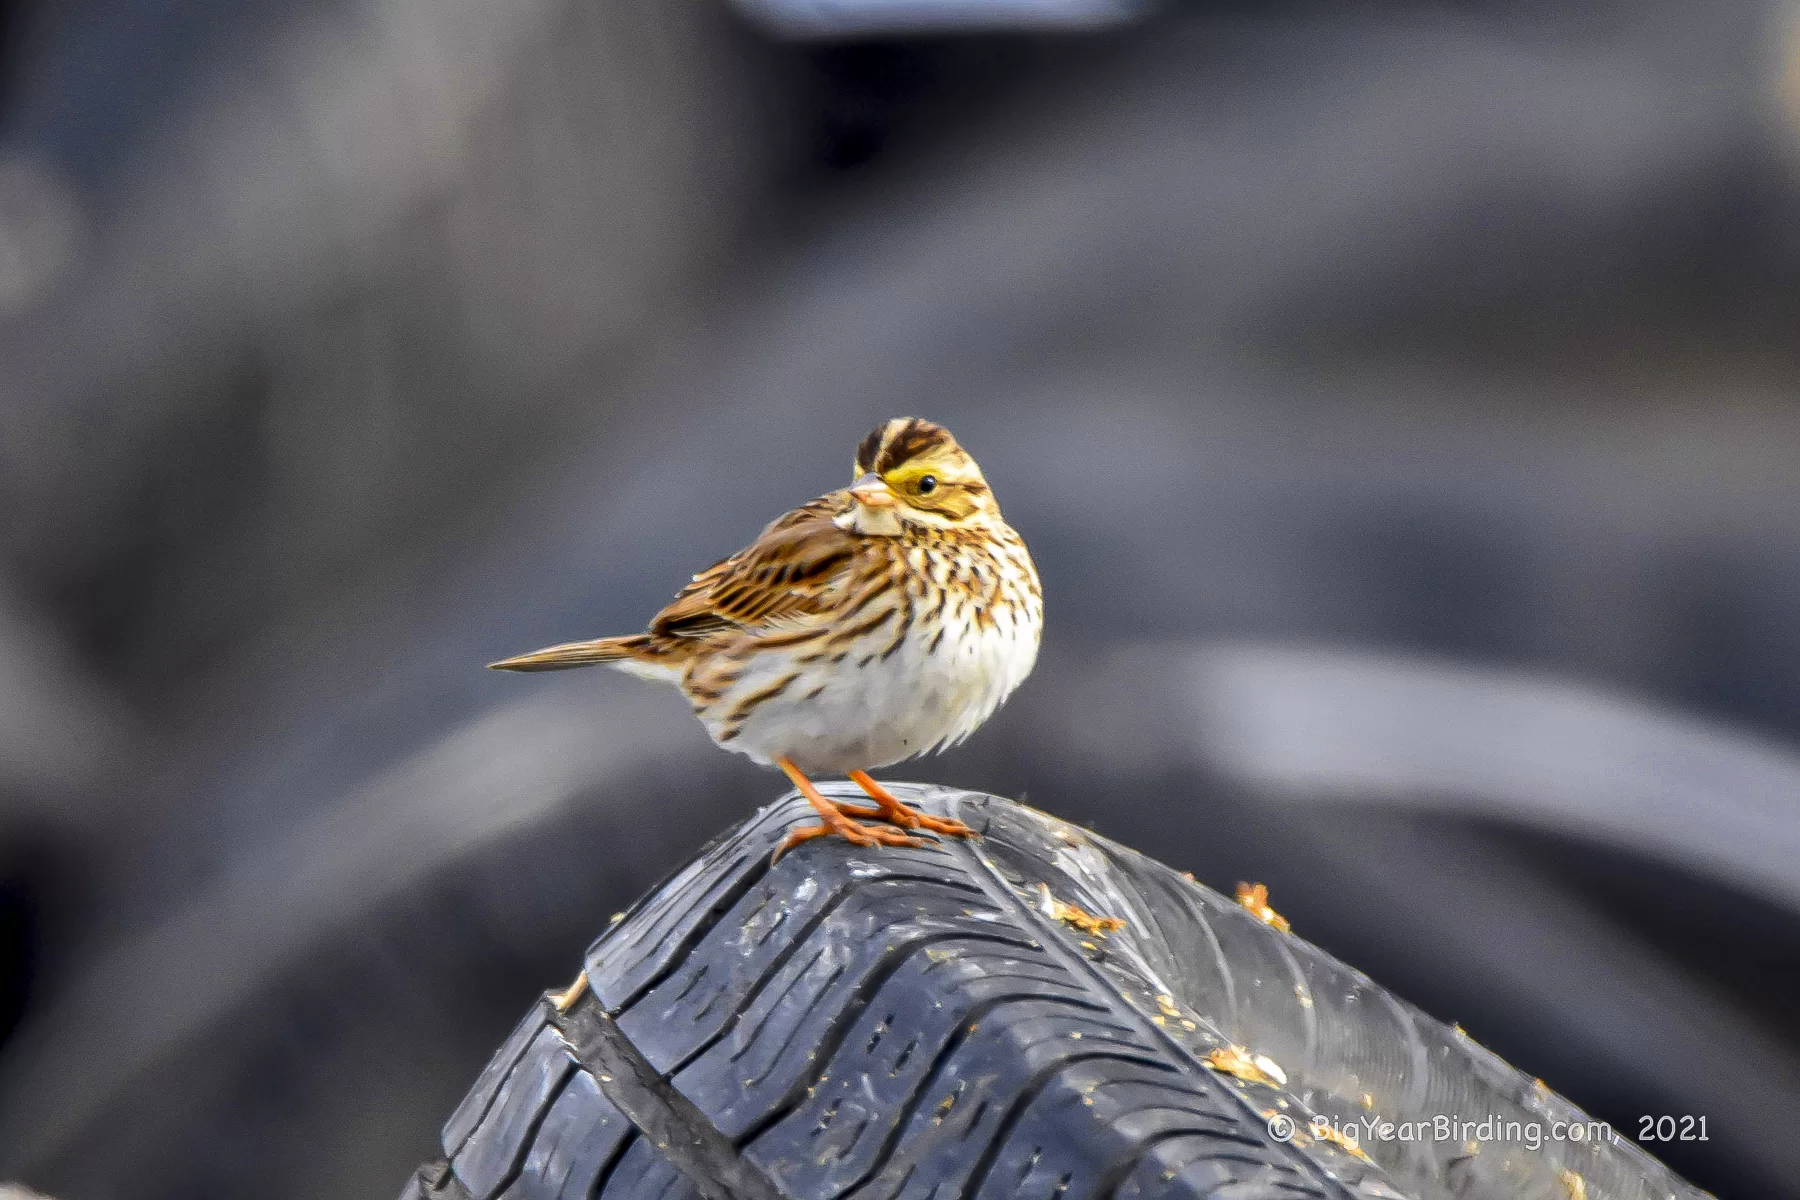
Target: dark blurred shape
(862, 18)
(18, 950)
(351, 346)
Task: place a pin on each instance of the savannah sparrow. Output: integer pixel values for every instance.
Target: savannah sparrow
(868, 626)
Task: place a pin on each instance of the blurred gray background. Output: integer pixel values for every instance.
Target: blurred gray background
(1400, 401)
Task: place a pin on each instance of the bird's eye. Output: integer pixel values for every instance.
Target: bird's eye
(927, 485)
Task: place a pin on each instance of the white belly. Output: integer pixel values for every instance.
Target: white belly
(842, 717)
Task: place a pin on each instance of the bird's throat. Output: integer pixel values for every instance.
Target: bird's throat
(870, 522)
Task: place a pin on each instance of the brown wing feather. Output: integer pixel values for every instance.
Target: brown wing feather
(782, 576)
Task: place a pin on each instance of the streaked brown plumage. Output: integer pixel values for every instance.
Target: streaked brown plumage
(870, 625)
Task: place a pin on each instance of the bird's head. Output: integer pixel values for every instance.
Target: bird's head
(910, 470)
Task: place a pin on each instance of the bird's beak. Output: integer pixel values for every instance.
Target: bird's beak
(556, 658)
(872, 491)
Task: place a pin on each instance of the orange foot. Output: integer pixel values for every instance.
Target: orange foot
(895, 813)
(832, 820)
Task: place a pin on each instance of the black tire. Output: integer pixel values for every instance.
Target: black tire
(933, 1024)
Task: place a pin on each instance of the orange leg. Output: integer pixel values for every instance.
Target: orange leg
(832, 820)
(896, 813)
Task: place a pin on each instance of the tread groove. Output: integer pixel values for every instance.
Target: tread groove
(927, 1084)
(532, 1130)
(775, 1059)
(1186, 902)
(845, 1017)
(598, 1187)
(1114, 1177)
(695, 936)
(835, 901)
(498, 1079)
(1021, 1103)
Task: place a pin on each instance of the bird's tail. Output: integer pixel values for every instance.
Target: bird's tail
(616, 650)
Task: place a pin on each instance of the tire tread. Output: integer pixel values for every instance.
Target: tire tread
(911, 1024)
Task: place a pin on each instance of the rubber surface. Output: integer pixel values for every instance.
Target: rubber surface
(927, 1024)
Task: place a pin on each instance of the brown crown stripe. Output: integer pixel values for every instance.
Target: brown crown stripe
(911, 440)
(899, 441)
(869, 448)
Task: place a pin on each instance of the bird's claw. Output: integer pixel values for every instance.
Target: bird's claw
(909, 818)
(948, 826)
(850, 831)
